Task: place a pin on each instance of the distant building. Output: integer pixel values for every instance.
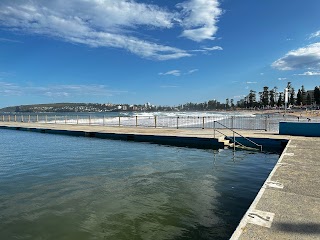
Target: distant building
(311, 93)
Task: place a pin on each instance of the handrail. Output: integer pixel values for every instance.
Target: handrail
(230, 138)
(258, 145)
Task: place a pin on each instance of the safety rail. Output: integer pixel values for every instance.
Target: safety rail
(234, 137)
(258, 122)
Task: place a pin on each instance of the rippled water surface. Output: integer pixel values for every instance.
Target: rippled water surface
(61, 187)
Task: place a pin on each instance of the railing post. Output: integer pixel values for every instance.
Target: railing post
(77, 119)
(234, 141)
(46, 119)
(89, 120)
(202, 122)
(155, 121)
(136, 121)
(266, 124)
(29, 119)
(15, 118)
(2, 118)
(119, 122)
(22, 118)
(9, 118)
(214, 129)
(65, 119)
(103, 121)
(37, 120)
(232, 122)
(177, 122)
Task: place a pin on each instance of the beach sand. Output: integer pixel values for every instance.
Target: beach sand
(295, 112)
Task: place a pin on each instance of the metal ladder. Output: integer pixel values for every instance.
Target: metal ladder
(233, 139)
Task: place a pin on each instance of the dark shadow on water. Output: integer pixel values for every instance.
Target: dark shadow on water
(302, 228)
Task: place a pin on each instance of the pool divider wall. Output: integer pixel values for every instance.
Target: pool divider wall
(194, 142)
(273, 145)
(268, 144)
(307, 129)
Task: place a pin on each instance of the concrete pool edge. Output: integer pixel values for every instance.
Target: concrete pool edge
(198, 139)
(179, 141)
(244, 221)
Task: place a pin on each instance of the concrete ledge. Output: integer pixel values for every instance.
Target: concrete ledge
(299, 129)
(180, 141)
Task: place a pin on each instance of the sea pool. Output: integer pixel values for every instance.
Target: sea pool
(63, 187)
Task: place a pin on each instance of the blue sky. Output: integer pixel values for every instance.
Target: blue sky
(165, 52)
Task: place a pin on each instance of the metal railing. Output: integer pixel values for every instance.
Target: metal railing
(234, 137)
(259, 122)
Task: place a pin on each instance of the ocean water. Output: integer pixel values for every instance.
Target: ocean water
(63, 187)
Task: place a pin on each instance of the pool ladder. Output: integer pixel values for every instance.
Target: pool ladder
(234, 143)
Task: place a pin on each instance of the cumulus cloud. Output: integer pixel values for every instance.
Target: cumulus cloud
(11, 89)
(112, 23)
(303, 58)
(199, 18)
(309, 73)
(281, 79)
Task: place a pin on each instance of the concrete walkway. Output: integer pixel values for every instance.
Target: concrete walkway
(288, 204)
(182, 132)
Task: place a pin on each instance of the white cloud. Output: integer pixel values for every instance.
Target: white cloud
(192, 71)
(281, 79)
(9, 40)
(251, 82)
(113, 23)
(206, 50)
(239, 96)
(314, 35)
(261, 74)
(214, 48)
(96, 23)
(303, 58)
(309, 73)
(11, 89)
(176, 73)
(199, 18)
(168, 86)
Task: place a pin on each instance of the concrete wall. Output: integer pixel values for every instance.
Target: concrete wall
(308, 129)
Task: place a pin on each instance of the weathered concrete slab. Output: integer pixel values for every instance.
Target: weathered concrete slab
(296, 203)
(201, 138)
(296, 217)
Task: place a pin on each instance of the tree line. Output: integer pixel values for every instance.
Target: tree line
(273, 98)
